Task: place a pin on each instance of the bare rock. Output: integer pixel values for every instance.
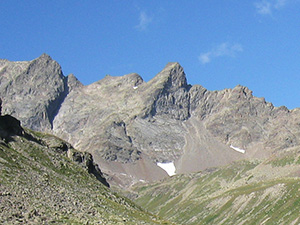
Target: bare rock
(169, 90)
(33, 91)
(73, 82)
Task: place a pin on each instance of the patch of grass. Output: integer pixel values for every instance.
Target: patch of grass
(283, 161)
(203, 199)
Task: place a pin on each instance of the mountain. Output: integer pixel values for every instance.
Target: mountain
(33, 91)
(44, 180)
(130, 125)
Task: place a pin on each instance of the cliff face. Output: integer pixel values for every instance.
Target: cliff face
(129, 125)
(33, 91)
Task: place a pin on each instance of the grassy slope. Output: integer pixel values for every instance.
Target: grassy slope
(247, 192)
(41, 186)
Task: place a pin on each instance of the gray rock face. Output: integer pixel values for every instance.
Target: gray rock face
(171, 94)
(129, 125)
(73, 82)
(33, 91)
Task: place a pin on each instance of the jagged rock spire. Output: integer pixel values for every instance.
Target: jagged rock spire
(172, 77)
(169, 89)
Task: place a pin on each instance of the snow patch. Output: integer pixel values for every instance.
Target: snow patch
(168, 167)
(238, 149)
(135, 87)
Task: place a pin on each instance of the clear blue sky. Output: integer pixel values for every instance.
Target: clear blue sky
(220, 43)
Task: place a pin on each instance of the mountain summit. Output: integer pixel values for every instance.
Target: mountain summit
(171, 77)
(33, 91)
(130, 125)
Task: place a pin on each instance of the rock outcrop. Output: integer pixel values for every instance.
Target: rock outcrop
(85, 159)
(129, 125)
(10, 126)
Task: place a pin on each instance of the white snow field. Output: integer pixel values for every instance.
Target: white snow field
(168, 167)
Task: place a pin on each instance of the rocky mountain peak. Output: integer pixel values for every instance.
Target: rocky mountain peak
(172, 77)
(133, 79)
(44, 66)
(73, 82)
(45, 56)
(169, 92)
(39, 83)
(242, 92)
(118, 83)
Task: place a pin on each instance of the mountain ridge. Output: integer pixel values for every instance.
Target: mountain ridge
(130, 125)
